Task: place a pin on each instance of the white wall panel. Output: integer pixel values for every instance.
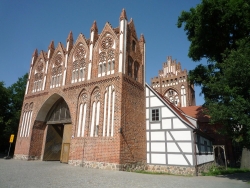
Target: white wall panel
(147, 136)
(148, 157)
(190, 159)
(147, 124)
(147, 102)
(204, 158)
(185, 147)
(172, 147)
(154, 101)
(181, 135)
(158, 158)
(155, 126)
(158, 147)
(147, 113)
(147, 146)
(165, 112)
(176, 159)
(177, 124)
(157, 136)
(147, 92)
(169, 138)
(166, 124)
(151, 93)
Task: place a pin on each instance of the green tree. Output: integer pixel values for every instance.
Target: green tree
(11, 100)
(219, 31)
(4, 113)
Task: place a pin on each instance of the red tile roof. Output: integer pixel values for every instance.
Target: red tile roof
(195, 112)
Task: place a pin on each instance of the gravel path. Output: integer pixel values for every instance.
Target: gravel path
(29, 174)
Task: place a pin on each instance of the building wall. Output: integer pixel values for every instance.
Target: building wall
(101, 79)
(172, 82)
(169, 140)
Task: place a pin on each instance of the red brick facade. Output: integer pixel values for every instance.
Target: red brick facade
(172, 82)
(103, 75)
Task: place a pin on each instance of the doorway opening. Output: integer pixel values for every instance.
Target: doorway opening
(58, 137)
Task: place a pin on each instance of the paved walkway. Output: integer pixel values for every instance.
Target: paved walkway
(35, 174)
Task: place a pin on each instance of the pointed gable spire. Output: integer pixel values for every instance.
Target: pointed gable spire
(123, 15)
(69, 42)
(51, 49)
(35, 53)
(70, 36)
(51, 45)
(94, 27)
(142, 39)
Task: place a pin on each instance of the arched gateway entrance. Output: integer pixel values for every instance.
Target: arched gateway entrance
(58, 129)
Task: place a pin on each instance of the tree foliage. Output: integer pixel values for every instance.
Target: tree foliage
(11, 100)
(219, 31)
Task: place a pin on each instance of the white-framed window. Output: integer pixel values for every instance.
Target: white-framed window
(155, 114)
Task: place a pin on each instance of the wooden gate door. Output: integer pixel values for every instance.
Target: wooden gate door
(66, 143)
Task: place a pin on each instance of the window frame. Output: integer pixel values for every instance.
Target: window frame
(155, 114)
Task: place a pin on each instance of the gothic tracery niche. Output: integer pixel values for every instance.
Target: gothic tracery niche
(173, 97)
(79, 64)
(95, 115)
(109, 111)
(82, 115)
(56, 73)
(38, 76)
(26, 120)
(106, 63)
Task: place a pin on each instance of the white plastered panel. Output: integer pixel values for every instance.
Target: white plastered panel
(165, 112)
(157, 136)
(181, 135)
(147, 124)
(154, 101)
(166, 123)
(177, 124)
(147, 136)
(147, 114)
(147, 92)
(185, 146)
(148, 157)
(169, 138)
(176, 159)
(172, 147)
(158, 146)
(158, 158)
(147, 102)
(155, 126)
(190, 158)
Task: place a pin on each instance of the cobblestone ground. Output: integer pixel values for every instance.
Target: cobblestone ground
(29, 174)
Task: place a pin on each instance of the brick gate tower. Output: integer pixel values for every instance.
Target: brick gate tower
(172, 82)
(85, 103)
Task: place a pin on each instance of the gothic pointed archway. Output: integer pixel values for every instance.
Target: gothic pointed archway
(52, 131)
(57, 140)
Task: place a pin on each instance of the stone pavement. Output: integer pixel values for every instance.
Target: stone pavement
(29, 174)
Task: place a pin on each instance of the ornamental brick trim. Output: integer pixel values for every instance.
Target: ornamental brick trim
(133, 83)
(37, 95)
(92, 83)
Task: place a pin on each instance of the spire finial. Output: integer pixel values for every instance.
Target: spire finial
(35, 53)
(70, 36)
(94, 27)
(142, 39)
(51, 46)
(123, 15)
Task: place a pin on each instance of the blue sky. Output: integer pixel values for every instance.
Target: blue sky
(30, 24)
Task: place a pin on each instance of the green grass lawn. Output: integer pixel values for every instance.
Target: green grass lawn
(214, 171)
